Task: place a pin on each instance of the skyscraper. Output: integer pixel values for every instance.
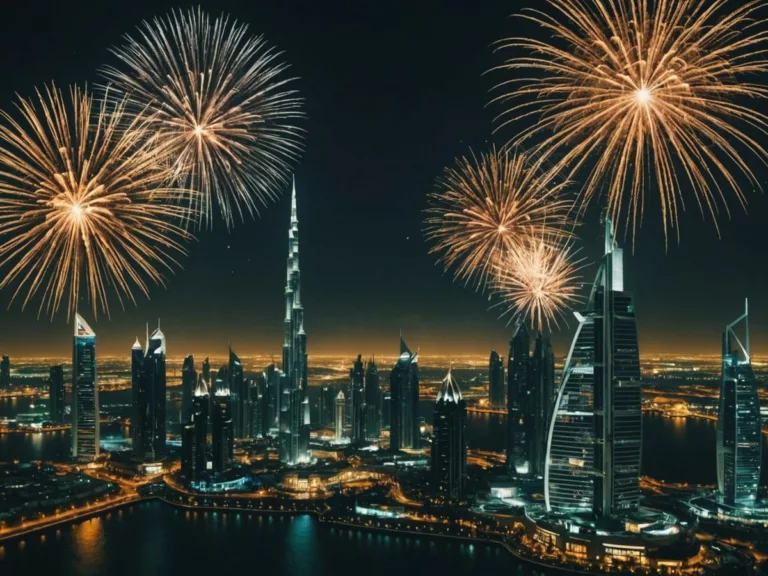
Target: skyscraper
(5, 373)
(149, 386)
(518, 378)
(739, 438)
(85, 392)
(341, 406)
(56, 394)
(449, 443)
(240, 394)
(188, 384)
(327, 406)
(207, 373)
(356, 388)
(404, 386)
(496, 381)
(194, 434)
(222, 434)
(372, 402)
(540, 397)
(595, 438)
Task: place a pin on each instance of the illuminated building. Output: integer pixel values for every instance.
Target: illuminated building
(85, 392)
(222, 434)
(340, 409)
(56, 394)
(207, 372)
(194, 435)
(327, 406)
(449, 441)
(518, 366)
(404, 412)
(258, 406)
(595, 438)
(540, 398)
(372, 402)
(240, 394)
(496, 381)
(188, 383)
(149, 384)
(293, 430)
(357, 404)
(5, 373)
(273, 378)
(739, 438)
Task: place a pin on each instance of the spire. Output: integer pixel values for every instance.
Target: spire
(201, 389)
(81, 327)
(449, 392)
(137, 344)
(294, 213)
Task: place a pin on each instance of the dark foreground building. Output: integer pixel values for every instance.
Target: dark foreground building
(449, 444)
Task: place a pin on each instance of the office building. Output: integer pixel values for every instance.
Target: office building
(148, 371)
(85, 393)
(518, 382)
(341, 406)
(357, 404)
(240, 394)
(496, 381)
(739, 438)
(372, 402)
(222, 433)
(595, 438)
(188, 384)
(56, 394)
(540, 400)
(194, 435)
(449, 442)
(327, 416)
(404, 413)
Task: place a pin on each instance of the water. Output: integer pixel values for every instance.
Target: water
(153, 538)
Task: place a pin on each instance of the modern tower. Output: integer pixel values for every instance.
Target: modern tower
(404, 386)
(85, 392)
(240, 396)
(221, 424)
(739, 438)
(194, 434)
(188, 386)
(5, 373)
(327, 406)
(540, 398)
(595, 437)
(518, 380)
(149, 386)
(340, 408)
(372, 402)
(449, 442)
(357, 390)
(496, 381)
(56, 394)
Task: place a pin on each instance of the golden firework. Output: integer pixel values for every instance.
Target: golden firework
(637, 94)
(538, 280)
(83, 197)
(488, 204)
(215, 95)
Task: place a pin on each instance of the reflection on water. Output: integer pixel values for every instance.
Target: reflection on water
(88, 543)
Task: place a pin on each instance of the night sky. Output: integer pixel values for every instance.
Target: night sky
(394, 91)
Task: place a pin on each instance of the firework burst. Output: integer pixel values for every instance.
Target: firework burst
(486, 205)
(83, 197)
(216, 96)
(538, 280)
(632, 94)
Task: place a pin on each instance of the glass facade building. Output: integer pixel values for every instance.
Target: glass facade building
(496, 381)
(404, 411)
(85, 392)
(449, 441)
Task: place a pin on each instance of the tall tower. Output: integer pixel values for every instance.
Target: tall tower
(356, 389)
(240, 394)
(495, 381)
(56, 394)
(221, 423)
(595, 438)
(372, 402)
(85, 392)
(149, 384)
(5, 373)
(449, 441)
(518, 377)
(739, 439)
(404, 413)
(194, 434)
(541, 392)
(188, 384)
(339, 420)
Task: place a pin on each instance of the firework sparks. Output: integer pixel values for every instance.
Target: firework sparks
(538, 280)
(486, 205)
(216, 96)
(634, 93)
(83, 196)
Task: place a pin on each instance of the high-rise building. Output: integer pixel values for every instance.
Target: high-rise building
(327, 406)
(595, 438)
(273, 377)
(207, 373)
(56, 394)
(518, 379)
(5, 373)
(292, 427)
(404, 387)
(188, 384)
(357, 390)
(194, 434)
(222, 434)
(149, 385)
(739, 438)
(341, 406)
(372, 402)
(496, 381)
(449, 442)
(85, 392)
(240, 394)
(540, 399)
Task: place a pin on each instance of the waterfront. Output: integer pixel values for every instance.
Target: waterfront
(153, 538)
